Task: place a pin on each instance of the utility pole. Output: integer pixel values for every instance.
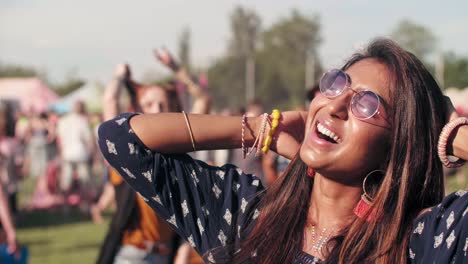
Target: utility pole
(249, 79)
(439, 70)
(309, 70)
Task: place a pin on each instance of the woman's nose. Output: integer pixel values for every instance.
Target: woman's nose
(339, 106)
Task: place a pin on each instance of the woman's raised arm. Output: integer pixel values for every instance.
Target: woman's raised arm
(169, 132)
(113, 91)
(459, 147)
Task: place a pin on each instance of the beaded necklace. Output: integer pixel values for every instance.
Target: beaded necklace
(321, 239)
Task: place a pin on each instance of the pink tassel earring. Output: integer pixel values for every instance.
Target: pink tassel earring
(310, 172)
(365, 203)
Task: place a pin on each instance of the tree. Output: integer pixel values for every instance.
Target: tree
(71, 83)
(68, 86)
(245, 26)
(234, 74)
(245, 30)
(17, 71)
(184, 48)
(280, 58)
(455, 71)
(283, 58)
(414, 37)
(226, 84)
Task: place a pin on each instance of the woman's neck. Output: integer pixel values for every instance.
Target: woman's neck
(332, 203)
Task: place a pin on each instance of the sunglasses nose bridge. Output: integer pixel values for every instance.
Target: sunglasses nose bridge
(340, 105)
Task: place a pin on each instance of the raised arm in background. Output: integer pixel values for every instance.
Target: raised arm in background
(113, 91)
(202, 101)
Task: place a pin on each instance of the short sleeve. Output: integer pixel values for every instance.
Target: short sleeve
(206, 205)
(441, 235)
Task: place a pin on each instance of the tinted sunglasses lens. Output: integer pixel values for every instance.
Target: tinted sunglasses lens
(365, 104)
(333, 83)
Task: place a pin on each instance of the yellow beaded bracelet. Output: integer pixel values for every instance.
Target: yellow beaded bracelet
(276, 114)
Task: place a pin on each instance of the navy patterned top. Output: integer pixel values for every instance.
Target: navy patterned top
(210, 206)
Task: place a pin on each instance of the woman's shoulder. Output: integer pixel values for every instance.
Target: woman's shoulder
(440, 233)
(456, 201)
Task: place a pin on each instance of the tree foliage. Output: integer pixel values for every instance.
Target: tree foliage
(17, 71)
(245, 29)
(68, 86)
(279, 60)
(283, 58)
(414, 37)
(456, 71)
(184, 48)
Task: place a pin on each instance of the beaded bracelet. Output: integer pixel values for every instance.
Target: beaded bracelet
(262, 134)
(244, 149)
(443, 138)
(274, 124)
(261, 130)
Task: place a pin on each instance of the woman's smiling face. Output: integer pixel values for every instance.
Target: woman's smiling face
(358, 146)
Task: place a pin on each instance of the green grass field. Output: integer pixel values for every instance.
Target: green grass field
(69, 238)
(58, 236)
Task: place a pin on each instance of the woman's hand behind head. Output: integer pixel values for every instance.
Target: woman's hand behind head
(289, 134)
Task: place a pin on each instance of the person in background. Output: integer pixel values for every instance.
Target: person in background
(11, 157)
(75, 142)
(136, 234)
(161, 246)
(8, 231)
(38, 134)
(10, 165)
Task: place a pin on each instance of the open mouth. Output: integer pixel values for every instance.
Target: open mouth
(326, 134)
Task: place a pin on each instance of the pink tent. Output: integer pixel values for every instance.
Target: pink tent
(31, 93)
(459, 98)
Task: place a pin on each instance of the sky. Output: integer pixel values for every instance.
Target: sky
(88, 38)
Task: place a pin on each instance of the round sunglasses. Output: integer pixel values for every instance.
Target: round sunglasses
(364, 104)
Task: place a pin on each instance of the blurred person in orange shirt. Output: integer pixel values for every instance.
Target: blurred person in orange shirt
(137, 234)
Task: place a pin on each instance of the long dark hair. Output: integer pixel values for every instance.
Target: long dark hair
(413, 179)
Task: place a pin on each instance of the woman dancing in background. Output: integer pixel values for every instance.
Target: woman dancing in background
(136, 233)
(365, 184)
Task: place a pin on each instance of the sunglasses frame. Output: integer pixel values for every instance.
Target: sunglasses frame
(348, 86)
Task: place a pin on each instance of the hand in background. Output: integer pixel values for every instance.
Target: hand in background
(12, 243)
(122, 72)
(165, 57)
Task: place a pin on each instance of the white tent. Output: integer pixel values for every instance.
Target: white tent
(90, 93)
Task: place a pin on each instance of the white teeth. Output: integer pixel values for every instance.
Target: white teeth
(328, 133)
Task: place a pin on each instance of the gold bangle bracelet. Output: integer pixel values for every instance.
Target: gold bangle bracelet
(190, 130)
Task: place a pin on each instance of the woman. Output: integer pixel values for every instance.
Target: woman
(383, 111)
(137, 234)
(9, 176)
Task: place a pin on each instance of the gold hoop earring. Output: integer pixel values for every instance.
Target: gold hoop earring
(365, 193)
(362, 209)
